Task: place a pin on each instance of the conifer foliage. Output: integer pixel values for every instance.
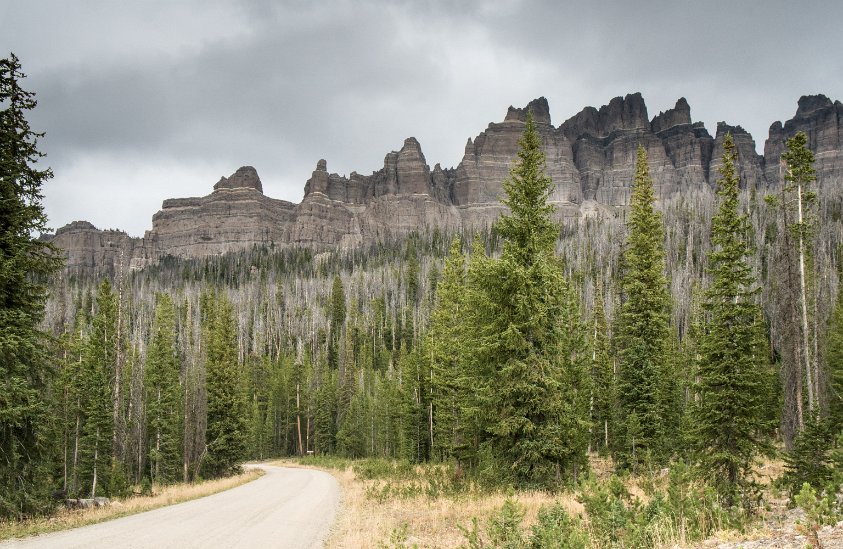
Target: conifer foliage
(227, 430)
(730, 429)
(646, 378)
(25, 262)
(533, 337)
(164, 396)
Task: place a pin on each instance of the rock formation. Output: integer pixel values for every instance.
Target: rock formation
(590, 158)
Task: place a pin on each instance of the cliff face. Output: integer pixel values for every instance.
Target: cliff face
(234, 216)
(822, 120)
(590, 158)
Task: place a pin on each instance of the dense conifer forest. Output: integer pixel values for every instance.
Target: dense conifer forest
(702, 333)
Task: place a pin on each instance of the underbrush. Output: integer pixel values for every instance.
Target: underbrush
(389, 503)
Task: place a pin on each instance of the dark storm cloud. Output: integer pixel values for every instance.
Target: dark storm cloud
(157, 99)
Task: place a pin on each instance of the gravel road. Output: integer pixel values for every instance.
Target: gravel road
(286, 507)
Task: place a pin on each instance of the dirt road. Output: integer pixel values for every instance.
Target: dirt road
(289, 508)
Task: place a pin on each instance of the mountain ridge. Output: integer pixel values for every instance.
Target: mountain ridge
(590, 158)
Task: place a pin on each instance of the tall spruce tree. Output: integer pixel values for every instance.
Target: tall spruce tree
(730, 429)
(227, 432)
(534, 340)
(98, 369)
(164, 396)
(446, 351)
(25, 264)
(645, 377)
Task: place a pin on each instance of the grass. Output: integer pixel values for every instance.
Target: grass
(398, 509)
(65, 519)
(396, 504)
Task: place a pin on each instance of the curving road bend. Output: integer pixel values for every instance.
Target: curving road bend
(286, 507)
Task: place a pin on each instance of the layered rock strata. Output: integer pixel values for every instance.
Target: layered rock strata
(590, 158)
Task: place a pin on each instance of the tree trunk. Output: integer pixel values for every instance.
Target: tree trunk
(298, 418)
(803, 300)
(96, 458)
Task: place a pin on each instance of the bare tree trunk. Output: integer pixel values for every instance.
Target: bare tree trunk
(803, 300)
(118, 367)
(76, 447)
(298, 417)
(96, 457)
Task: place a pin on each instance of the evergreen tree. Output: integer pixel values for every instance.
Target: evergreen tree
(534, 339)
(645, 376)
(446, 350)
(227, 432)
(603, 389)
(71, 395)
(164, 396)
(811, 459)
(337, 320)
(730, 429)
(98, 382)
(25, 264)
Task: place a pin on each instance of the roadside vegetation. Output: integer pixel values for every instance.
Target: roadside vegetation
(388, 503)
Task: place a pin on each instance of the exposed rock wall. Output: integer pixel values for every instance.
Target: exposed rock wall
(590, 158)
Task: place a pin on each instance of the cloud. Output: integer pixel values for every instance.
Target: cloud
(128, 92)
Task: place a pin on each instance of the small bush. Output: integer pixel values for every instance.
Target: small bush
(820, 508)
(503, 529)
(556, 529)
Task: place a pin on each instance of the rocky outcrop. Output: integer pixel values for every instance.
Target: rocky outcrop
(822, 121)
(97, 251)
(590, 158)
(234, 216)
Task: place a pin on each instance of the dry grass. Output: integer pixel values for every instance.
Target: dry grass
(364, 522)
(65, 519)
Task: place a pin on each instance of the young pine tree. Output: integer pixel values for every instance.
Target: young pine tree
(533, 340)
(25, 263)
(227, 432)
(645, 376)
(98, 382)
(445, 350)
(603, 386)
(730, 428)
(164, 396)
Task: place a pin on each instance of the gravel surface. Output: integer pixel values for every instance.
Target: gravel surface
(287, 508)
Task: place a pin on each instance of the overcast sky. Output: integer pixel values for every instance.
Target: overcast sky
(148, 100)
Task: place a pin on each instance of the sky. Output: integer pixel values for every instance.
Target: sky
(146, 100)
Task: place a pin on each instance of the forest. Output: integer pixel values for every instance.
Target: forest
(702, 333)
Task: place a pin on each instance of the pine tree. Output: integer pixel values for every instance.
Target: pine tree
(603, 385)
(534, 340)
(227, 432)
(164, 396)
(446, 351)
(98, 382)
(730, 429)
(25, 264)
(337, 320)
(643, 331)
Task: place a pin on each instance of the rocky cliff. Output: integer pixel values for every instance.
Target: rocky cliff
(590, 158)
